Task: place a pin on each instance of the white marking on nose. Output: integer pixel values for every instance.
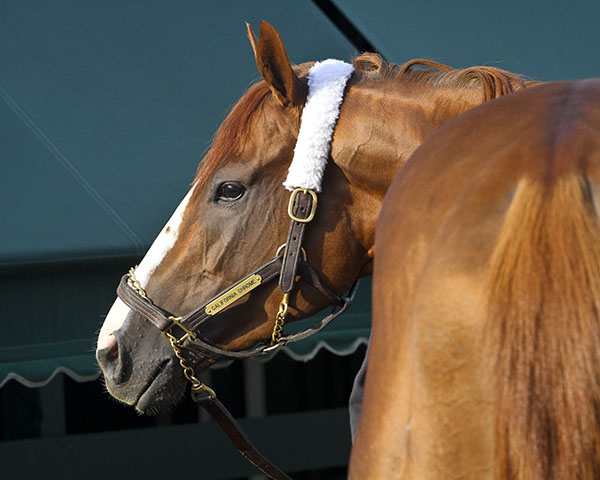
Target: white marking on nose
(163, 243)
(160, 247)
(113, 321)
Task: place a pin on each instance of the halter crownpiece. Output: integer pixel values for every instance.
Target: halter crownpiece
(326, 84)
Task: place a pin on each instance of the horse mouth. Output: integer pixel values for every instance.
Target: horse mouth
(163, 388)
(155, 393)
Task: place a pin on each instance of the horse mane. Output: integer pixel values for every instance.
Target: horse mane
(493, 82)
(233, 133)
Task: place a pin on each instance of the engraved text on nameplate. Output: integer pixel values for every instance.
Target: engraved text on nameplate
(233, 294)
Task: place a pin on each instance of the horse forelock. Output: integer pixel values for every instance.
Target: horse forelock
(231, 137)
(233, 133)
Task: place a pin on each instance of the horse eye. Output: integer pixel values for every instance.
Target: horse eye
(230, 191)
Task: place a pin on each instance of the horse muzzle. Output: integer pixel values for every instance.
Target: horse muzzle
(139, 367)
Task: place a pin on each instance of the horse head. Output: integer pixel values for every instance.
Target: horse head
(234, 219)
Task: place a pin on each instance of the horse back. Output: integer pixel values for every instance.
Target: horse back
(484, 358)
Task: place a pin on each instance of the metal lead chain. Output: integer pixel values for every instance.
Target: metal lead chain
(188, 372)
(280, 320)
(136, 285)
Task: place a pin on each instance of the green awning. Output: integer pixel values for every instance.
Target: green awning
(106, 109)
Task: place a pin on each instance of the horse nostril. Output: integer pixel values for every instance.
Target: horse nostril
(109, 359)
(106, 342)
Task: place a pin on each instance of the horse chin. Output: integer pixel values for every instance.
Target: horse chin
(163, 390)
(166, 388)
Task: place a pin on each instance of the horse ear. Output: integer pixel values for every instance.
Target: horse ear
(251, 37)
(274, 66)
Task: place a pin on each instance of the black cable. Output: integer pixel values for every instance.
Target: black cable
(349, 30)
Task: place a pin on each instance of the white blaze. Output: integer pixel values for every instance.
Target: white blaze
(161, 245)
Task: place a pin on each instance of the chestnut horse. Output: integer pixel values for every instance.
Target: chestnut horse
(234, 217)
(485, 352)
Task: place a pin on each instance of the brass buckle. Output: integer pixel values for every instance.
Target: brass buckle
(313, 208)
(188, 332)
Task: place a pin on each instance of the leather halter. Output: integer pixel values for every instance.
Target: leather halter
(187, 330)
(327, 82)
(183, 332)
(301, 209)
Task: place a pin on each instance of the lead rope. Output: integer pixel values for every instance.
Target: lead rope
(206, 396)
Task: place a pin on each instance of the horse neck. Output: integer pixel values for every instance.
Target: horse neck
(381, 123)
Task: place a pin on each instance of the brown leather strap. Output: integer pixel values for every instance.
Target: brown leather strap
(293, 246)
(267, 272)
(308, 273)
(237, 436)
(321, 324)
(159, 317)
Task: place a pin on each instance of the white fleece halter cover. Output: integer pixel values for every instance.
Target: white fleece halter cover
(326, 84)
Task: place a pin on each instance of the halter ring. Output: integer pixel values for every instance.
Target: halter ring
(283, 246)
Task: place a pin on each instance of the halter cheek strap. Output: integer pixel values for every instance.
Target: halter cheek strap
(186, 330)
(326, 84)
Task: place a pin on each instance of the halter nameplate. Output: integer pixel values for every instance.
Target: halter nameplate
(233, 294)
